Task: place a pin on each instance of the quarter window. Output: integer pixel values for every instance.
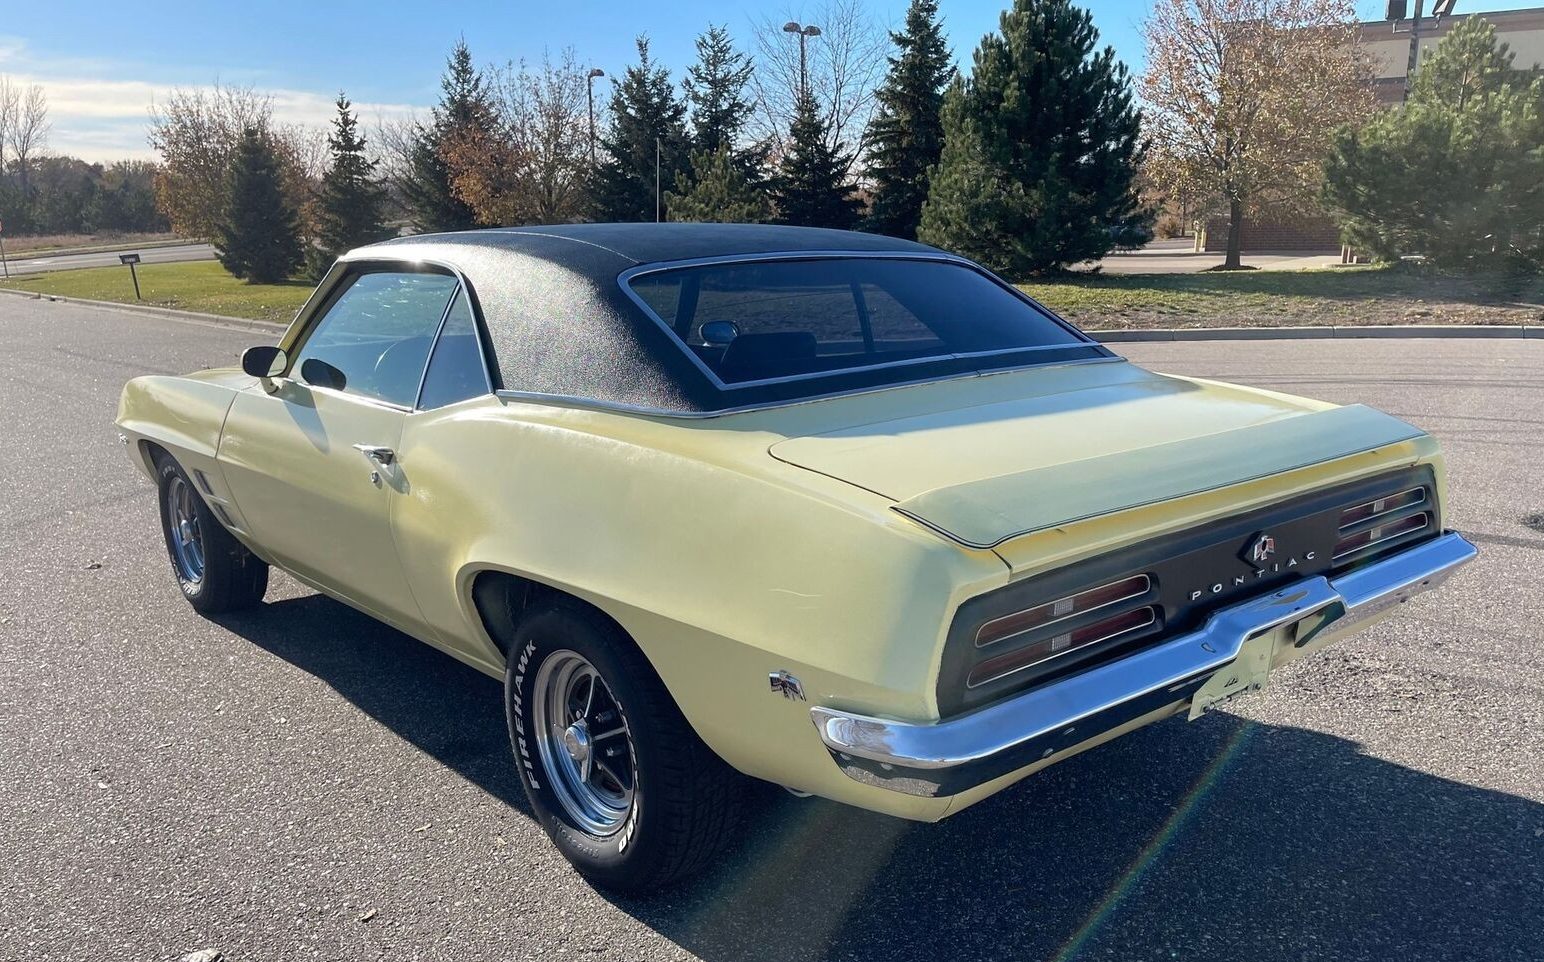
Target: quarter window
(456, 370)
(378, 333)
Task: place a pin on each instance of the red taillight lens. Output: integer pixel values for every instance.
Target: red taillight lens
(1372, 509)
(1029, 619)
(1384, 532)
(1009, 662)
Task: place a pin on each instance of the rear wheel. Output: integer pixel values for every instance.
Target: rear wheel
(215, 571)
(619, 780)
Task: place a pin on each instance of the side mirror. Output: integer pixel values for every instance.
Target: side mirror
(318, 372)
(719, 333)
(263, 361)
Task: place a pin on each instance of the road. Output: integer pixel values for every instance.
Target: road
(1178, 256)
(300, 782)
(34, 263)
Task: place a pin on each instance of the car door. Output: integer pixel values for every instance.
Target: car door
(310, 456)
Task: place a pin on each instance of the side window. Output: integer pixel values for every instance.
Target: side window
(378, 333)
(456, 371)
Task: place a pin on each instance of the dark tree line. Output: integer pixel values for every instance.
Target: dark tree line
(1030, 164)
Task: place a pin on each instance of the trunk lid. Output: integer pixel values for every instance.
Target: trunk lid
(1114, 438)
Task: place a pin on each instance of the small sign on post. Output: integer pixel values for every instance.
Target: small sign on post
(131, 260)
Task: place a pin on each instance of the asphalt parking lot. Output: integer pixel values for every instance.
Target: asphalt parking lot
(300, 782)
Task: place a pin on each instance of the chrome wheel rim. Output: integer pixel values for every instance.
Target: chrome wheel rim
(584, 743)
(186, 537)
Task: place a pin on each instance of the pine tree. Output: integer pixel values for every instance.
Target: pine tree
(718, 192)
(715, 92)
(810, 187)
(1457, 173)
(906, 135)
(465, 102)
(259, 237)
(349, 205)
(646, 117)
(1041, 148)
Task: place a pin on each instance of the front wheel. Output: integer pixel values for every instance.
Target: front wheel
(215, 571)
(619, 780)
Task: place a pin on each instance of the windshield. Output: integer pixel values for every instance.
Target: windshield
(753, 321)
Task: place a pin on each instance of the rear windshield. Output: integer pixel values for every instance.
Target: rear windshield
(753, 321)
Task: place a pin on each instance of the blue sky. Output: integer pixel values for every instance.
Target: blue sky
(103, 63)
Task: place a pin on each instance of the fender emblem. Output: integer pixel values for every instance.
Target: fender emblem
(787, 685)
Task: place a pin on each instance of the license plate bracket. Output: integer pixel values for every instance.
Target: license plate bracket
(1243, 675)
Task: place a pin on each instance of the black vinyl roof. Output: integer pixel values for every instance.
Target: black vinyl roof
(560, 323)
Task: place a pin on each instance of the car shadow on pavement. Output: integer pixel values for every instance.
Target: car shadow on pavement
(1227, 839)
(448, 710)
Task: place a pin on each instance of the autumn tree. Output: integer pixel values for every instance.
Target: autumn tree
(350, 204)
(1041, 148)
(465, 112)
(1242, 97)
(645, 146)
(906, 135)
(259, 231)
(1457, 173)
(197, 132)
(529, 166)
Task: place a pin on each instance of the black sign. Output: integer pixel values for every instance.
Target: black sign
(128, 258)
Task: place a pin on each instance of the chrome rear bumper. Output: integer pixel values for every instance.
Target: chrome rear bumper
(949, 757)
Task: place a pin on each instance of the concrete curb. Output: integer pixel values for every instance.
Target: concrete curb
(163, 313)
(1319, 333)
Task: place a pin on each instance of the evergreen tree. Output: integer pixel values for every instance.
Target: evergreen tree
(464, 103)
(718, 192)
(1457, 173)
(906, 134)
(259, 237)
(349, 205)
(715, 92)
(810, 187)
(646, 117)
(1041, 147)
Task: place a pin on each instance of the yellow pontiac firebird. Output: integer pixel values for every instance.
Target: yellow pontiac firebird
(837, 511)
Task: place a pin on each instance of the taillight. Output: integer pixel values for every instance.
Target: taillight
(1105, 630)
(1009, 626)
(1380, 522)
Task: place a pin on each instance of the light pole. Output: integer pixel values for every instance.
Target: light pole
(589, 90)
(804, 34)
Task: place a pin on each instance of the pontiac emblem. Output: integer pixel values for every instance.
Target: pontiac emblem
(1259, 550)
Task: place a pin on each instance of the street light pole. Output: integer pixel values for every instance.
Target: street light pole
(589, 89)
(804, 34)
(1415, 48)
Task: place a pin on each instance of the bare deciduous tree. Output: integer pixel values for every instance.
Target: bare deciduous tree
(846, 64)
(1241, 98)
(24, 128)
(531, 168)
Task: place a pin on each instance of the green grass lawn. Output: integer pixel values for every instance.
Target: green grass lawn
(1339, 296)
(202, 286)
(1336, 296)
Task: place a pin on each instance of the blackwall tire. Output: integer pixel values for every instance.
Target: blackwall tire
(215, 571)
(682, 805)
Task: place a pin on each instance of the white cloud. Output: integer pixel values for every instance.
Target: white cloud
(98, 117)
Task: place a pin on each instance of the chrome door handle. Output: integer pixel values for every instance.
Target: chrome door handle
(380, 455)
